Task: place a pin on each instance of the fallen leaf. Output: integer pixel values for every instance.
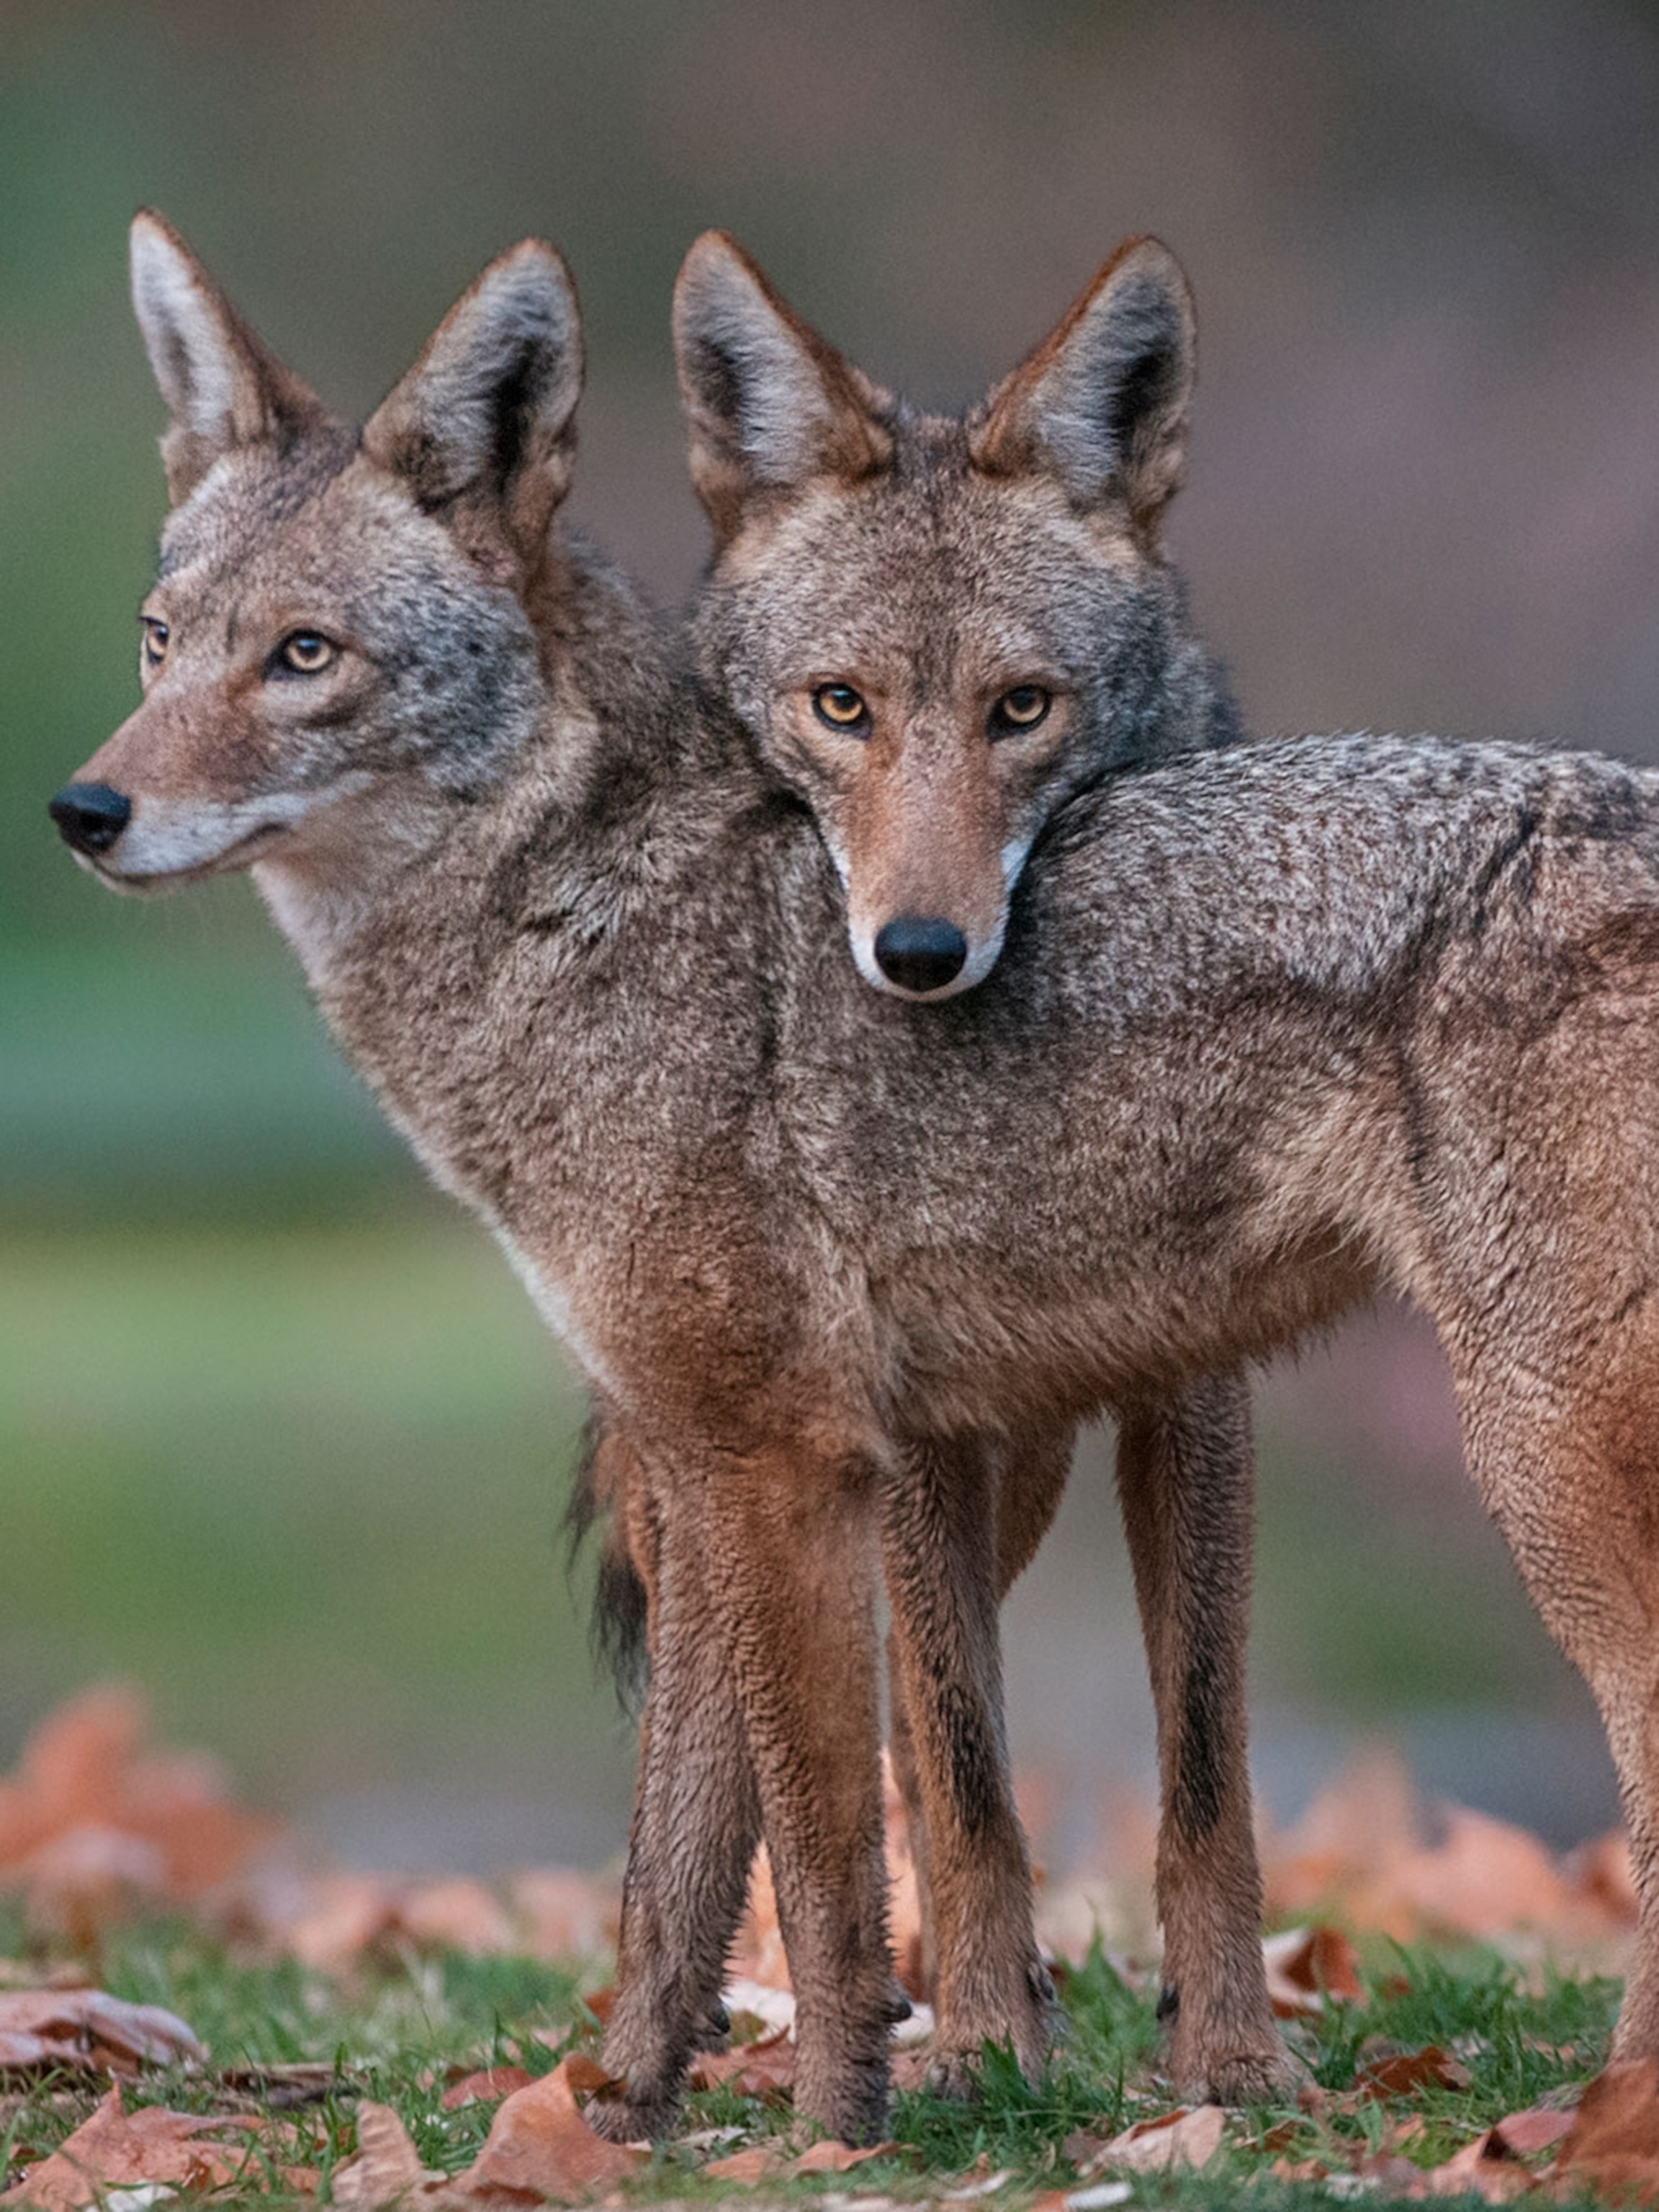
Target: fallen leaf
(1362, 1820)
(746, 2168)
(485, 2087)
(1486, 1877)
(831, 2157)
(342, 1917)
(1182, 2137)
(40, 2029)
(539, 2142)
(1481, 2168)
(1537, 2129)
(283, 2087)
(563, 1915)
(1306, 1966)
(1604, 1871)
(1408, 2071)
(386, 2166)
(987, 2187)
(460, 1915)
(766, 2069)
(1081, 2148)
(115, 2148)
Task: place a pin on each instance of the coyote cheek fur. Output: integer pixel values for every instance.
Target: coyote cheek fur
(1272, 1026)
(991, 594)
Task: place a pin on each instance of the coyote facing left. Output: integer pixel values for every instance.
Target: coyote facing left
(1272, 1026)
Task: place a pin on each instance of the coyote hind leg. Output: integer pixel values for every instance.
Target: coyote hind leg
(1185, 1477)
(695, 1824)
(1570, 1473)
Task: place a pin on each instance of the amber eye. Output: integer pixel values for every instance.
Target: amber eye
(1022, 708)
(306, 653)
(840, 707)
(152, 643)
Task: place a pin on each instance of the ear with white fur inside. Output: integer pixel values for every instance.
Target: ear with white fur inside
(1103, 402)
(222, 388)
(768, 404)
(485, 419)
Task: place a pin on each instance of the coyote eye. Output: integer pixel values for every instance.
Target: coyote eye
(306, 653)
(1022, 708)
(840, 707)
(152, 643)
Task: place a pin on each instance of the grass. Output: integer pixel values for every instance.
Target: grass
(400, 2034)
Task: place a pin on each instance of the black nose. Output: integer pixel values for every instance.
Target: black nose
(89, 816)
(920, 952)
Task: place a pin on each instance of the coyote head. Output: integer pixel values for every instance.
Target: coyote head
(939, 629)
(335, 626)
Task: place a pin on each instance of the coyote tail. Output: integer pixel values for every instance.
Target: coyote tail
(616, 1627)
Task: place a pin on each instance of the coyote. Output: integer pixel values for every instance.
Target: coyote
(1272, 1025)
(939, 631)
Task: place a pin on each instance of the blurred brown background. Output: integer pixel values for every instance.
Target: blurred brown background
(280, 1436)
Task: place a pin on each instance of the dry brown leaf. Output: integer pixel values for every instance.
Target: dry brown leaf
(1080, 2148)
(565, 1915)
(903, 1889)
(1522, 2134)
(831, 2157)
(1182, 2137)
(758, 1954)
(386, 2166)
(539, 2142)
(1485, 1878)
(460, 1915)
(341, 1917)
(285, 2086)
(115, 2149)
(1613, 2141)
(766, 2069)
(1364, 1819)
(488, 2087)
(87, 2028)
(1604, 1871)
(745, 2168)
(1408, 2071)
(89, 1817)
(1481, 2168)
(1306, 1965)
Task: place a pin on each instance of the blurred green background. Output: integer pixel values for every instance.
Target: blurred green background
(281, 1438)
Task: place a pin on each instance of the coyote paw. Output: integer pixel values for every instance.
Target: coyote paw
(1265, 2075)
(629, 2119)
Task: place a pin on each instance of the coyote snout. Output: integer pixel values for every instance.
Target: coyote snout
(90, 817)
(920, 953)
(927, 835)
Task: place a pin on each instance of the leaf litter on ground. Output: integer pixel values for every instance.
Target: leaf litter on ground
(282, 2027)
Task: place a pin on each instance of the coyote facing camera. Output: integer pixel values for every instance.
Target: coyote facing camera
(939, 629)
(1270, 1026)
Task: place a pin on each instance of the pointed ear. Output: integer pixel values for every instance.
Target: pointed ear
(222, 388)
(1103, 403)
(482, 426)
(769, 405)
